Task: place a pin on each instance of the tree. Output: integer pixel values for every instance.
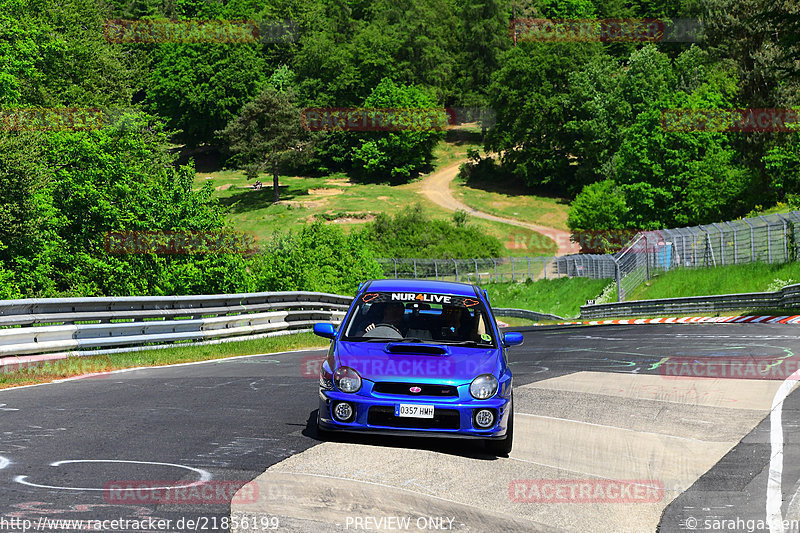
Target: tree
(199, 88)
(529, 95)
(398, 154)
(268, 133)
(54, 53)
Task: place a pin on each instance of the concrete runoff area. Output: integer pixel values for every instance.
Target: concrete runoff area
(587, 426)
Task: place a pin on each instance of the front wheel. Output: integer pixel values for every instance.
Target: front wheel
(502, 447)
(322, 434)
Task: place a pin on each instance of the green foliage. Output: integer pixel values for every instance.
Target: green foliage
(72, 188)
(200, 88)
(268, 134)
(528, 95)
(319, 257)
(412, 233)
(460, 218)
(782, 164)
(53, 53)
(728, 279)
(396, 155)
(599, 206)
(350, 47)
(561, 297)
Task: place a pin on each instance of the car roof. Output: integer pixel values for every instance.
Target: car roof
(421, 285)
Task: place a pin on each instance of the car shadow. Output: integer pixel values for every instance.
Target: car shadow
(469, 448)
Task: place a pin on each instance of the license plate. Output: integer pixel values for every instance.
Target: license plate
(413, 410)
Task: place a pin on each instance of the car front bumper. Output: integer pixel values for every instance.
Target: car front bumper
(453, 418)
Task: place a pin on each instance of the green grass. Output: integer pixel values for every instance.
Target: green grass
(512, 200)
(305, 199)
(562, 296)
(76, 366)
(729, 279)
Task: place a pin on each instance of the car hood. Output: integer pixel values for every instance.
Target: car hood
(458, 366)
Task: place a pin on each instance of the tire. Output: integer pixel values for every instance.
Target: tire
(322, 434)
(502, 447)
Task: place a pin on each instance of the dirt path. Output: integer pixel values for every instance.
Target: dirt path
(436, 186)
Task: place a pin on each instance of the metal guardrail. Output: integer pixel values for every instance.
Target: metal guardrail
(89, 325)
(524, 313)
(787, 297)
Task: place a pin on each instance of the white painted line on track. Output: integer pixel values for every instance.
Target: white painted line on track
(774, 481)
(4, 462)
(121, 370)
(204, 474)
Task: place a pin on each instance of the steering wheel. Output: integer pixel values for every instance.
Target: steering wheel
(389, 331)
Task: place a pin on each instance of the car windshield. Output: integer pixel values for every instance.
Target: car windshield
(419, 317)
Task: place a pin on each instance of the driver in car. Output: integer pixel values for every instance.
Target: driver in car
(392, 316)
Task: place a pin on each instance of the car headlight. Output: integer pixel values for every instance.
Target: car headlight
(483, 387)
(347, 379)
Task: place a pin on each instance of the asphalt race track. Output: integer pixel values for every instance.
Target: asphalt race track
(593, 405)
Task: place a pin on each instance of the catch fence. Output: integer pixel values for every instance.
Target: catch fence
(766, 239)
(495, 270)
(762, 239)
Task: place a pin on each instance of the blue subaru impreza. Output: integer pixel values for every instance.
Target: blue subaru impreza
(419, 356)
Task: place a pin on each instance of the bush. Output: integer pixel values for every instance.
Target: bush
(317, 258)
(412, 233)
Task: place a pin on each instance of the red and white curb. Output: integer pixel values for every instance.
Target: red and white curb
(766, 319)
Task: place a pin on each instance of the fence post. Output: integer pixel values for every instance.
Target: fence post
(415, 268)
(721, 243)
(752, 243)
(544, 267)
(477, 277)
(735, 243)
(395, 267)
(529, 269)
(456, 265)
(617, 275)
(769, 239)
(646, 257)
(513, 273)
(495, 269)
(436, 270)
(785, 239)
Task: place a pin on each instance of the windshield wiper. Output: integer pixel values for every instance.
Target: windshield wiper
(467, 343)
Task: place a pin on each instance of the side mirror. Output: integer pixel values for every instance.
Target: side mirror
(512, 338)
(325, 329)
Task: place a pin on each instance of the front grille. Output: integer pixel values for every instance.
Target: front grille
(403, 389)
(383, 415)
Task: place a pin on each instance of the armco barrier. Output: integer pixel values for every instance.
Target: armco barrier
(787, 297)
(81, 325)
(524, 313)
